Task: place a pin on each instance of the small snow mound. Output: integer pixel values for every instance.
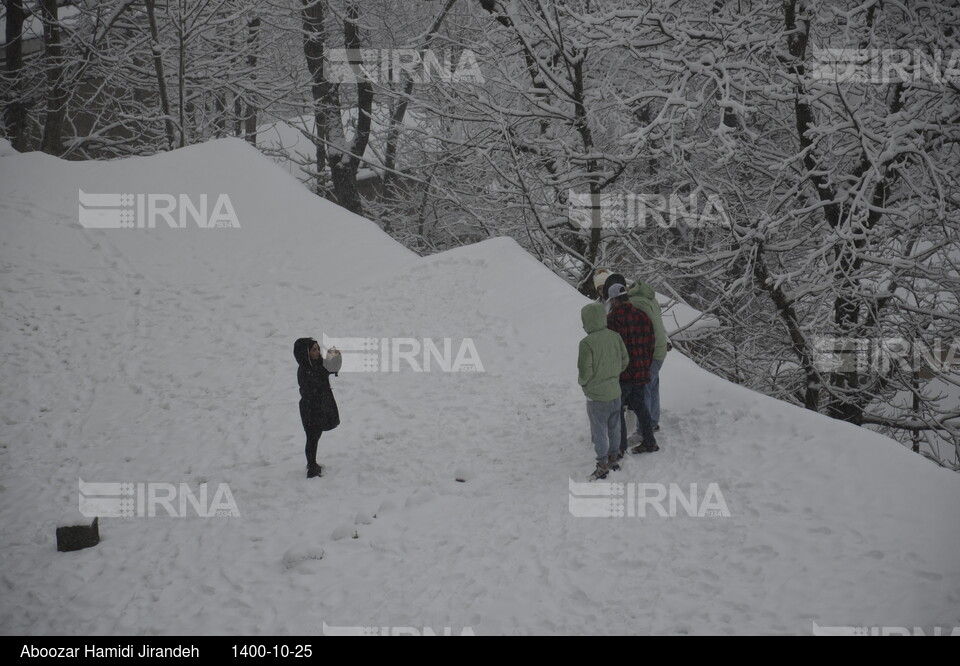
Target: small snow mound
(344, 532)
(298, 554)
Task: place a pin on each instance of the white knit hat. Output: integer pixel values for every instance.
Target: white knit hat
(600, 277)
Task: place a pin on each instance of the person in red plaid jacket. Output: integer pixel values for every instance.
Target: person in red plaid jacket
(636, 330)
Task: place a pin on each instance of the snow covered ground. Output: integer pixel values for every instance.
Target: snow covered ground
(165, 355)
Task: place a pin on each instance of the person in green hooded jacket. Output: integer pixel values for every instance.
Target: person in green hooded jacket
(642, 296)
(602, 358)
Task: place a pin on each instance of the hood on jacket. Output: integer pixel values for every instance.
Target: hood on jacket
(301, 350)
(594, 317)
(643, 290)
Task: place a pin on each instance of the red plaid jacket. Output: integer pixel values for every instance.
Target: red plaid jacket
(635, 328)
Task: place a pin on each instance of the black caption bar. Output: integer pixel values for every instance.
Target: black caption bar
(228, 648)
(170, 648)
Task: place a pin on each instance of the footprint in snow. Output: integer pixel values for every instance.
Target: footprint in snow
(929, 575)
(421, 496)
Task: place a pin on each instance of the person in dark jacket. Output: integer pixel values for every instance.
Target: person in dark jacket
(642, 297)
(318, 409)
(636, 330)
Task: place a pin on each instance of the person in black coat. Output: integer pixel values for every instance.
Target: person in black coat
(318, 409)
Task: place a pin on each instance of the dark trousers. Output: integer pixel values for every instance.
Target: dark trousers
(632, 396)
(313, 439)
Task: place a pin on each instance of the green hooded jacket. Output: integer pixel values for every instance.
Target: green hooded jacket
(603, 356)
(641, 295)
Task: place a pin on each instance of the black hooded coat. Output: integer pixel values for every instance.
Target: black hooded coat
(318, 409)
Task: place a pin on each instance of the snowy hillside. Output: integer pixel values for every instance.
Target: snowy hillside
(165, 355)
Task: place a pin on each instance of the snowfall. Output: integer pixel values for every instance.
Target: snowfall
(162, 358)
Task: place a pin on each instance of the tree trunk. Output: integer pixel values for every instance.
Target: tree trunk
(788, 315)
(15, 114)
(250, 117)
(915, 436)
(581, 124)
(182, 73)
(52, 141)
(344, 165)
(220, 107)
(158, 68)
(314, 37)
(342, 159)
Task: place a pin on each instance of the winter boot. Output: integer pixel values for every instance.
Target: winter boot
(599, 473)
(613, 462)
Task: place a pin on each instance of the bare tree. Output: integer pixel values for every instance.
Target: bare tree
(56, 95)
(15, 111)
